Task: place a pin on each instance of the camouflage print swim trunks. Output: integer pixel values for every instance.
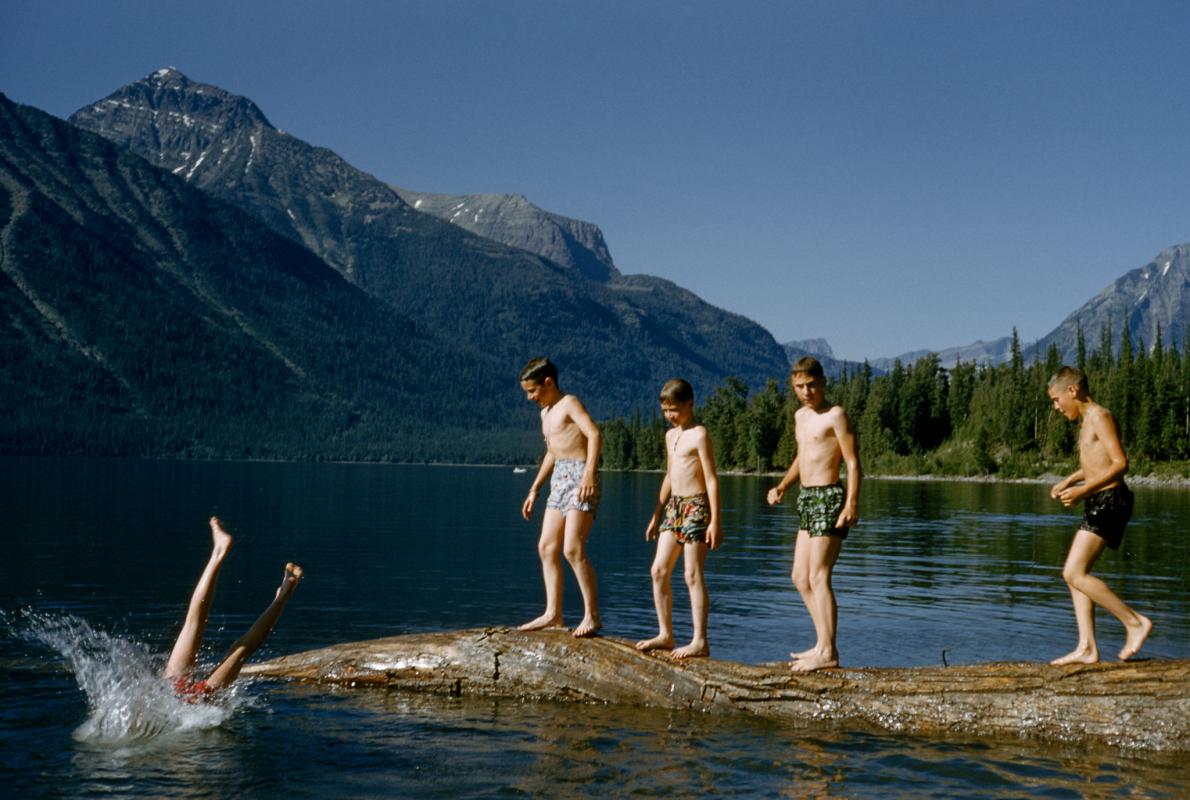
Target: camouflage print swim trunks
(819, 507)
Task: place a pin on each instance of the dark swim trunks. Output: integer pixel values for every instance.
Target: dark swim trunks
(189, 690)
(819, 507)
(1106, 512)
(687, 518)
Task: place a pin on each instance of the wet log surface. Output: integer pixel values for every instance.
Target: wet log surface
(1143, 704)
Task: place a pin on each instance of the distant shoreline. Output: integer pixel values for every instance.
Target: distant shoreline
(1150, 480)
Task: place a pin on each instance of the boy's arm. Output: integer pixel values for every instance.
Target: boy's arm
(706, 457)
(586, 486)
(651, 531)
(1061, 485)
(547, 466)
(777, 493)
(850, 452)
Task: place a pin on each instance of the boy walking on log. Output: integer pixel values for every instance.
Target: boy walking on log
(572, 446)
(1099, 482)
(685, 521)
(827, 509)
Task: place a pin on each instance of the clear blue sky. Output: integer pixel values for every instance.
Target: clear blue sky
(887, 175)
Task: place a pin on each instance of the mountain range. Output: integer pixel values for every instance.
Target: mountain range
(146, 317)
(505, 278)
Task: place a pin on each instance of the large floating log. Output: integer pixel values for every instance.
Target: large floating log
(1139, 704)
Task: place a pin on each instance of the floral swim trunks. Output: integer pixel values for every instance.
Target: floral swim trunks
(687, 518)
(564, 482)
(1106, 512)
(819, 507)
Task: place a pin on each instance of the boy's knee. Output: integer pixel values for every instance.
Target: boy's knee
(574, 553)
(659, 573)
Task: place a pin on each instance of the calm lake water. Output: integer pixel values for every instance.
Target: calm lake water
(99, 557)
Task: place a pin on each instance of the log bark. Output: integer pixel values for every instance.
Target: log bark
(1143, 704)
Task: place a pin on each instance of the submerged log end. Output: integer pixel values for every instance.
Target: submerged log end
(1137, 704)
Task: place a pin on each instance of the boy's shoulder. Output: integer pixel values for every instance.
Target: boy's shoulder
(827, 414)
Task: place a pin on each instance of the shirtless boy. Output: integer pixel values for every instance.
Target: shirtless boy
(182, 659)
(685, 521)
(1099, 481)
(572, 445)
(824, 438)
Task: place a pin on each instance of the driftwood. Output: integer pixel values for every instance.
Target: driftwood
(1139, 704)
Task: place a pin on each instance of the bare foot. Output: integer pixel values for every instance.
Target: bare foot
(814, 661)
(544, 621)
(1136, 637)
(692, 650)
(1083, 654)
(588, 627)
(221, 540)
(803, 654)
(293, 576)
(656, 643)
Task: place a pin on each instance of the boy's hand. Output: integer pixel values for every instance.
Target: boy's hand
(714, 536)
(848, 517)
(586, 487)
(1058, 488)
(1069, 497)
(651, 531)
(776, 495)
(527, 506)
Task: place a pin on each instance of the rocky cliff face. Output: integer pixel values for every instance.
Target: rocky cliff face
(615, 338)
(512, 220)
(1154, 296)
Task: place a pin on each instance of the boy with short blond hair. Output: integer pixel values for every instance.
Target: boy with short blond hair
(1099, 482)
(572, 445)
(824, 439)
(685, 521)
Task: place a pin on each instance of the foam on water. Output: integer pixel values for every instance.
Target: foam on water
(127, 698)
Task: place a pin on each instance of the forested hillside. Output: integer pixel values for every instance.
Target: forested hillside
(965, 419)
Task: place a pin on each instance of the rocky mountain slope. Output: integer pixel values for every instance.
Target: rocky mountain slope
(512, 220)
(146, 317)
(1154, 296)
(616, 338)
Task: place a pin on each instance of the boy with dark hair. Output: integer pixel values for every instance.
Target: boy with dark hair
(824, 439)
(1099, 481)
(572, 445)
(685, 521)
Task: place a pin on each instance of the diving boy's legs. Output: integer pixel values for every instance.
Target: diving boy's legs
(247, 644)
(812, 576)
(694, 554)
(577, 529)
(668, 551)
(189, 641)
(1087, 591)
(549, 548)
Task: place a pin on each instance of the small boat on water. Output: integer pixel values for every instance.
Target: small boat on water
(520, 470)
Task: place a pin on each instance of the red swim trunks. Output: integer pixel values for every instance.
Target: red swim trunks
(192, 691)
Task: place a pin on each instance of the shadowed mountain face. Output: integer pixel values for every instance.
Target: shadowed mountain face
(146, 317)
(615, 338)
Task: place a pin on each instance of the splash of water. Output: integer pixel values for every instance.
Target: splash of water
(127, 698)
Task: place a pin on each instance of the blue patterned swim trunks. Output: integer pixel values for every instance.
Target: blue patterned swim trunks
(564, 482)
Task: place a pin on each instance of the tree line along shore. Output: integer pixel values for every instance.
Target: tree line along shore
(967, 420)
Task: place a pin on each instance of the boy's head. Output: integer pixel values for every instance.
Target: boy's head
(677, 401)
(1068, 389)
(808, 381)
(539, 380)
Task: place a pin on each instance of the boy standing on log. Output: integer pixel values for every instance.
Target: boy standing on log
(827, 509)
(572, 445)
(685, 521)
(1107, 509)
